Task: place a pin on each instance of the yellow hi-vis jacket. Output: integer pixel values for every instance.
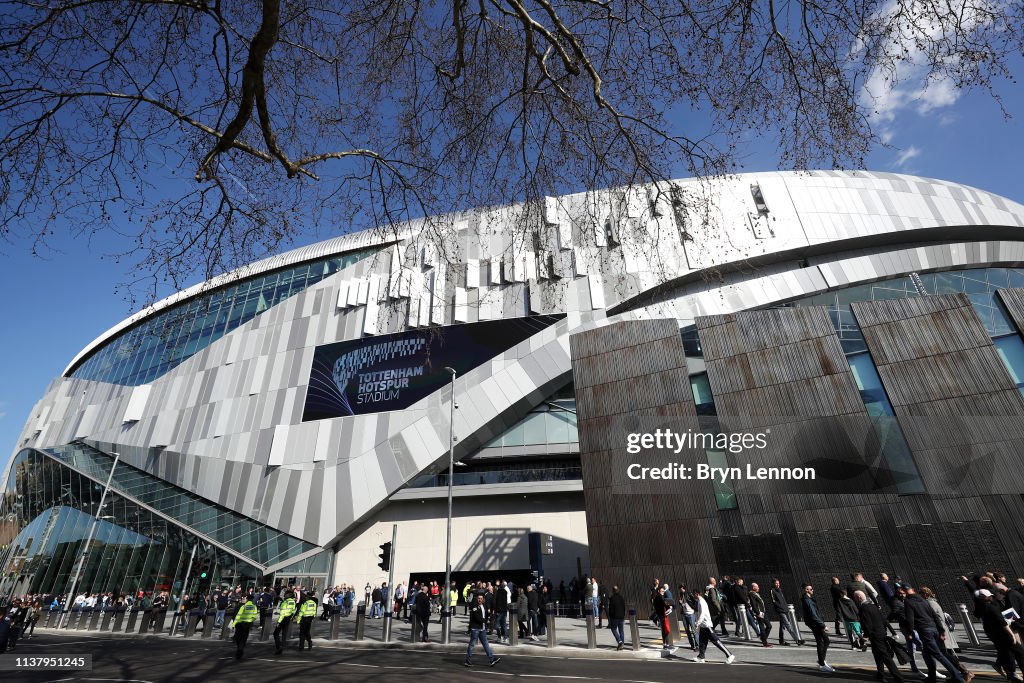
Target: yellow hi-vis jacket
(287, 608)
(247, 614)
(307, 609)
(454, 595)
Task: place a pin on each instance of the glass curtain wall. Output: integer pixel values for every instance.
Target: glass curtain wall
(133, 549)
(158, 344)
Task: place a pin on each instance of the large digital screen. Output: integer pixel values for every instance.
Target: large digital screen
(394, 371)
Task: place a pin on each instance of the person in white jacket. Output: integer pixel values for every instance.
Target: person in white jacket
(705, 630)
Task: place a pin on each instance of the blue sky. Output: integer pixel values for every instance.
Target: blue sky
(59, 303)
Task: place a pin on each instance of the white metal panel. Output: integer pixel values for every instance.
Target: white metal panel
(494, 271)
(372, 305)
(353, 293)
(279, 447)
(461, 305)
(88, 421)
(596, 291)
(342, 294)
(137, 403)
(472, 273)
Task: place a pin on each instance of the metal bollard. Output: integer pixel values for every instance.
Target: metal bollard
(673, 626)
(551, 613)
(385, 631)
(446, 626)
(225, 628)
(335, 625)
(965, 619)
(211, 618)
(161, 621)
(591, 630)
(415, 622)
(83, 620)
(105, 623)
(94, 619)
(360, 623)
(741, 620)
(796, 624)
(132, 618)
(267, 620)
(634, 630)
(190, 625)
(513, 629)
(118, 621)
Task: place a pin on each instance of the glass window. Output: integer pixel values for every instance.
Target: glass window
(145, 352)
(534, 429)
(725, 493)
(703, 400)
(1011, 351)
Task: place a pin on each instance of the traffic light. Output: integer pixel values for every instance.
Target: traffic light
(202, 574)
(385, 556)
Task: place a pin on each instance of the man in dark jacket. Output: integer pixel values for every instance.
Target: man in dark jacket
(1009, 653)
(533, 605)
(885, 590)
(422, 609)
(921, 618)
(617, 616)
(812, 617)
(715, 607)
(834, 592)
(477, 626)
(501, 598)
(781, 606)
(873, 627)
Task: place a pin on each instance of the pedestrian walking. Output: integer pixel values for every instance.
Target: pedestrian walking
(873, 627)
(921, 619)
(1009, 653)
(307, 612)
(851, 619)
(706, 630)
(421, 607)
(242, 623)
(812, 617)
(781, 606)
(287, 608)
(502, 598)
(523, 614)
(835, 591)
(947, 640)
(758, 611)
(478, 631)
(617, 617)
(714, 599)
(662, 609)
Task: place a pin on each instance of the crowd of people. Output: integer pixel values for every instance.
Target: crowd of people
(889, 617)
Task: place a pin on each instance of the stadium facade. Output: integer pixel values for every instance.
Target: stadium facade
(277, 420)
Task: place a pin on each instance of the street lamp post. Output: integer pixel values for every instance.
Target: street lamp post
(446, 598)
(88, 541)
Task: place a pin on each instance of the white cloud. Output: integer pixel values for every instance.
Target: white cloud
(909, 86)
(906, 155)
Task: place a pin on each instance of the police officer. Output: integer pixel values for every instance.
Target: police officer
(307, 612)
(287, 612)
(247, 614)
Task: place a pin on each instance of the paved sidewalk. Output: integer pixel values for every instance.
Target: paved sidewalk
(572, 641)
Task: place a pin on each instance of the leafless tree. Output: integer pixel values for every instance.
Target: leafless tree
(220, 130)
